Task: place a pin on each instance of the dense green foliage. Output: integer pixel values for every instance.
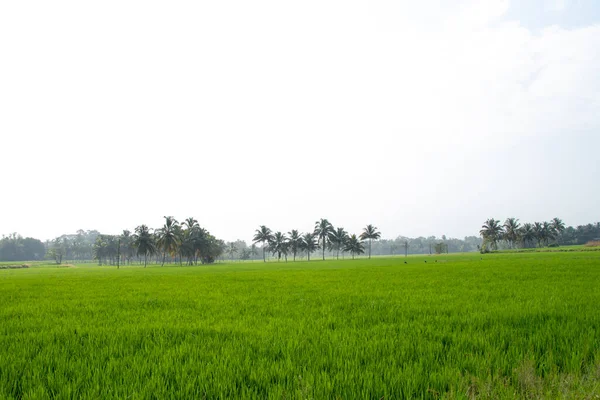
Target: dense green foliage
(497, 326)
(14, 247)
(512, 234)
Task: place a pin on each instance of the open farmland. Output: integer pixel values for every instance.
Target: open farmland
(497, 326)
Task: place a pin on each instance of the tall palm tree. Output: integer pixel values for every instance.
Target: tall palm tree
(338, 240)
(548, 232)
(309, 243)
(323, 229)
(539, 233)
(278, 244)
(354, 245)
(558, 226)
(526, 234)
(491, 231)
(100, 248)
(294, 242)
(263, 235)
(370, 232)
(126, 245)
(143, 241)
(511, 230)
(168, 238)
(190, 223)
(253, 250)
(231, 249)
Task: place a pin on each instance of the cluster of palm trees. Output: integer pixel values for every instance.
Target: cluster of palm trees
(324, 236)
(186, 240)
(515, 234)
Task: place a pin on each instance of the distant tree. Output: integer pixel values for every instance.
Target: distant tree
(100, 248)
(126, 246)
(370, 232)
(538, 231)
(190, 223)
(354, 245)
(143, 242)
(167, 238)
(263, 235)
(323, 230)
(558, 226)
(548, 232)
(338, 240)
(295, 242)
(57, 250)
(231, 250)
(278, 244)
(491, 231)
(527, 235)
(245, 254)
(16, 248)
(309, 243)
(253, 250)
(440, 248)
(192, 239)
(511, 231)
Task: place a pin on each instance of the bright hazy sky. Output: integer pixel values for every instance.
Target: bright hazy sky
(420, 117)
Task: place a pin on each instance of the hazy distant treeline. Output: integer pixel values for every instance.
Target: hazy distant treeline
(173, 242)
(92, 246)
(514, 234)
(241, 250)
(15, 247)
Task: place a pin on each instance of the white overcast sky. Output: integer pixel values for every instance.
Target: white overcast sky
(420, 117)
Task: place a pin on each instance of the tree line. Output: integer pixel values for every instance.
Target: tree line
(324, 236)
(15, 247)
(176, 241)
(512, 234)
(187, 241)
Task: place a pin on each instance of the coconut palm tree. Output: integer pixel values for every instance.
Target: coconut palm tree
(253, 250)
(168, 238)
(558, 226)
(323, 229)
(309, 243)
(511, 230)
(294, 242)
(539, 233)
(143, 241)
(231, 249)
(370, 232)
(278, 244)
(354, 245)
(338, 240)
(190, 223)
(548, 232)
(263, 235)
(126, 245)
(526, 234)
(491, 231)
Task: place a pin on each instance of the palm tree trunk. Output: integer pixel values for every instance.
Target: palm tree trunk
(370, 240)
(145, 260)
(264, 256)
(323, 248)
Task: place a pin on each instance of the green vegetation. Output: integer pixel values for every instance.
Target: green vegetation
(14, 247)
(557, 249)
(447, 326)
(513, 235)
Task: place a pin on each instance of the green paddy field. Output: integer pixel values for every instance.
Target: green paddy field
(467, 326)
